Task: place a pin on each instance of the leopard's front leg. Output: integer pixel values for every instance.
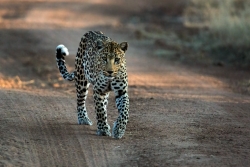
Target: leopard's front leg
(101, 102)
(122, 104)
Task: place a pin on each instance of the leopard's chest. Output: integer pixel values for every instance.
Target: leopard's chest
(102, 84)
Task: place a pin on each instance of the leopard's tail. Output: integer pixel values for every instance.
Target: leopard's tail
(62, 51)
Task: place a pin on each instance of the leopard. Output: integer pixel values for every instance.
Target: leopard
(99, 61)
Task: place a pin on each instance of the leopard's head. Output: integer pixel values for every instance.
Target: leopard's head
(112, 57)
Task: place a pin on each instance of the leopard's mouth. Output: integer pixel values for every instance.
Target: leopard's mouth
(110, 78)
(109, 75)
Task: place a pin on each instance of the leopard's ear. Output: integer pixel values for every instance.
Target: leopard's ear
(124, 46)
(100, 44)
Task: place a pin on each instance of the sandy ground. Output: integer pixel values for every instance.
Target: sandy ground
(180, 115)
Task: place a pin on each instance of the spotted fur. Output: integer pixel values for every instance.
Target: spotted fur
(100, 61)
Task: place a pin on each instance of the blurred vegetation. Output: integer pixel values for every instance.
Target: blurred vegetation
(224, 29)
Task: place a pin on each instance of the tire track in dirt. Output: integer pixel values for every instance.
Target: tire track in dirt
(44, 125)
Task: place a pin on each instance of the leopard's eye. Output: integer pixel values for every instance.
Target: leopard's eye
(117, 59)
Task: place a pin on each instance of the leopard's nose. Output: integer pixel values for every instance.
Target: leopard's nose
(110, 72)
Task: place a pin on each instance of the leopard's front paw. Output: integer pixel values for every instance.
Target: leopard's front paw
(118, 130)
(104, 131)
(84, 121)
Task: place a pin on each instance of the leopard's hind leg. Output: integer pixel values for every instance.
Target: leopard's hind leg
(82, 92)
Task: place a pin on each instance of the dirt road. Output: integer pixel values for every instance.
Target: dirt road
(179, 115)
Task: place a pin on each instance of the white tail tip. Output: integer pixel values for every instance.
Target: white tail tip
(64, 50)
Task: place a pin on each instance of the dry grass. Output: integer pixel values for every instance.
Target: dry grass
(227, 25)
(15, 82)
(231, 24)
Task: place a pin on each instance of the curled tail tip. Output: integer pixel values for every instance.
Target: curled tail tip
(64, 50)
